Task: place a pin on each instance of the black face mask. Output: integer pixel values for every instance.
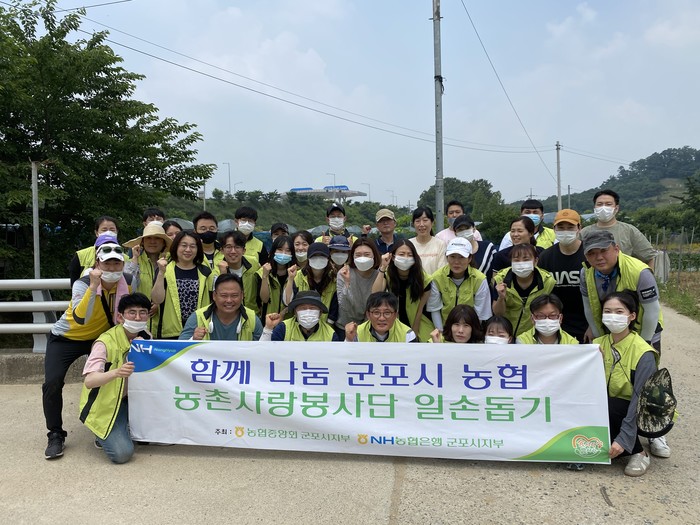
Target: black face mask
(208, 237)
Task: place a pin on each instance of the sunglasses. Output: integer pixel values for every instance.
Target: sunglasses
(110, 249)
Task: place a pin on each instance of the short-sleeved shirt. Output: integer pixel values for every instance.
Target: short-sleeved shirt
(630, 240)
(432, 254)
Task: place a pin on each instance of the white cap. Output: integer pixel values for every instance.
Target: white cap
(459, 246)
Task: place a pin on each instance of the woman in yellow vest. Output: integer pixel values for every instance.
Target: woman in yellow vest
(462, 326)
(226, 319)
(382, 325)
(182, 286)
(152, 245)
(546, 312)
(515, 288)
(402, 274)
(629, 361)
(103, 401)
(304, 325)
(85, 259)
(318, 275)
(274, 275)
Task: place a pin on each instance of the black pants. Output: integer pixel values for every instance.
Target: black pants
(617, 411)
(60, 354)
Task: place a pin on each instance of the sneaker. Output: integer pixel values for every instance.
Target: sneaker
(56, 445)
(659, 447)
(577, 467)
(637, 465)
(98, 445)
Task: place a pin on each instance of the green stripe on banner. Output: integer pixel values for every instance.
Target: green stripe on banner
(577, 445)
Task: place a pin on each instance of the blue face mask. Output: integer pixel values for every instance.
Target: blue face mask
(283, 258)
(535, 218)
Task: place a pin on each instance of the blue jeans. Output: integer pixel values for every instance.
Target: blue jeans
(118, 445)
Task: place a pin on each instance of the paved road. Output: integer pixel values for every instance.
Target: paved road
(181, 484)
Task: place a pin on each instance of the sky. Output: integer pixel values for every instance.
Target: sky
(612, 80)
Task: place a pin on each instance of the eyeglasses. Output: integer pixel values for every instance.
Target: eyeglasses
(386, 314)
(110, 249)
(541, 317)
(204, 229)
(230, 247)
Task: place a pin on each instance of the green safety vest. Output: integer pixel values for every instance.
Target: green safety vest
(274, 305)
(631, 349)
(302, 284)
(99, 406)
(397, 333)
(247, 327)
(293, 331)
(516, 307)
(529, 338)
(170, 314)
(250, 283)
(451, 295)
(426, 324)
(254, 246)
(546, 238)
(147, 275)
(628, 278)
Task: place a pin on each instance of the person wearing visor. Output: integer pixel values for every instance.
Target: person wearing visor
(103, 400)
(152, 245)
(317, 275)
(546, 312)
(534, 210)
(226, 319)
(482, 251)
(84, 259)
(382, 325)
(458, 283)
(335, 217)
(305, 325)
(91, 312)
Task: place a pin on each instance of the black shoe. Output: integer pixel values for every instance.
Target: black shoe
(576, 467)
(56, 445)
(98, 445)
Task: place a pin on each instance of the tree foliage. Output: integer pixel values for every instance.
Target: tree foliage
(67, 103)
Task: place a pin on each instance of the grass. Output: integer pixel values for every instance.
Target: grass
(683, 295)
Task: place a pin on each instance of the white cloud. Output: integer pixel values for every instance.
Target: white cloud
(679, 31)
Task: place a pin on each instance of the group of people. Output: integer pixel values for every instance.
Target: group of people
(565, 285)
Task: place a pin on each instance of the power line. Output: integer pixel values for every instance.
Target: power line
(506, 92)
(595, 157)
(598, 156)
(94, 5)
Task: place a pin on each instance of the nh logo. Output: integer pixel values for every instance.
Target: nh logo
(381, 440)
(145, 349)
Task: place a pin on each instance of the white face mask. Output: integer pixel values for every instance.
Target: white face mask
(339, 258)
(135, 327)
(308, 318)
(404, 263)
(245, 227)
(466, 234)
(565, 238)
(523, 269)
(111, 277)
(318, 262)
(301, 256)
(616, 323)
(495, 340)
(604, 213)
(547, 326)
(364, 263)
(336, 223)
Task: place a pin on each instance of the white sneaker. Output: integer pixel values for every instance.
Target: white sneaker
(659, 447)
(637, 465)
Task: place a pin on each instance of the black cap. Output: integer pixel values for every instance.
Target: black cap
(333, 207)
(318, 248)
(279, 226)
(307, 297)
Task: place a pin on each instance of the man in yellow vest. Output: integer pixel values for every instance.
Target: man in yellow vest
(246, 218)
(103, 401)
(382, 325)
(226, 319)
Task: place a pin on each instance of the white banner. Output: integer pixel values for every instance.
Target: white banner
(494, 402)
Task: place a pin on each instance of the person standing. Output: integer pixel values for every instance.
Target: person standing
(207, 227)
(534, 210)
(91, 312)
(606, 205)
(246, 219)
(386, 224)
(235, 262)
(431, 250)
(564, 261)
(335, 217)
(453, 210)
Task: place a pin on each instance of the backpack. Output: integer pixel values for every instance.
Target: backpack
(656, 406)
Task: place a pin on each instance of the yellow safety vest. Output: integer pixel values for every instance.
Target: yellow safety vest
(248, 322)
(516, 308)
(293, 332)
(546, 238)
(302, 285)
(619, 375)
(426, 324)
(171, 323)
(529, 338)
(250, 284)
(397, 333)
(451, 295)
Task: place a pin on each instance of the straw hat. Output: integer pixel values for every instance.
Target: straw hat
(152, 229)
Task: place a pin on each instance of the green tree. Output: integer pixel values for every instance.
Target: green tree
(477, 196)
(67, 103)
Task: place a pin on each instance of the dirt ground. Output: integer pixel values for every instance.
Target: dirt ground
(181, 484)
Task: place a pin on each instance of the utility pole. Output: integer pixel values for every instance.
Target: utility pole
(439, 89)
(558, 178)
(35, 218)
(568, 186)
(228, 164)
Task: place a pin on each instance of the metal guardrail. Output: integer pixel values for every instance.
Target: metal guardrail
(43, 308)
